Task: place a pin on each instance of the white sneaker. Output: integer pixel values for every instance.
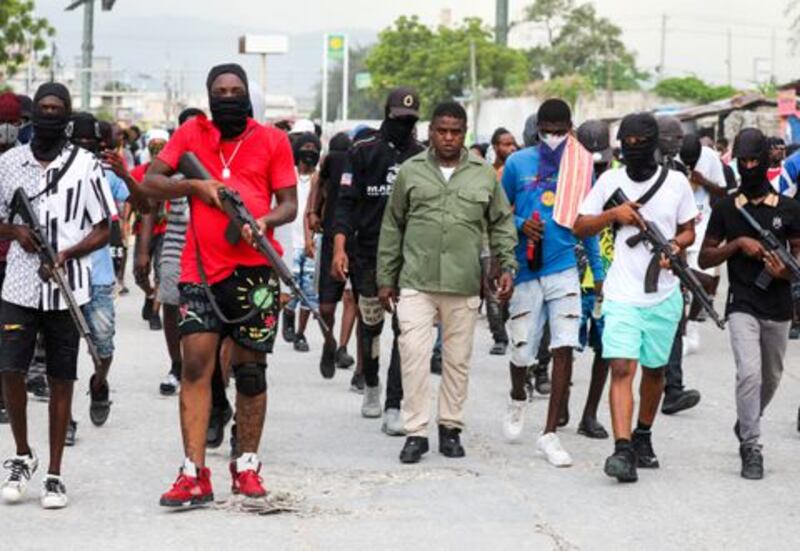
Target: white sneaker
(393, 422)
(169, 385)
(371, 406)
(514, 421)
(54, 493)
(550, 446)
(691, 341)
(22, 468)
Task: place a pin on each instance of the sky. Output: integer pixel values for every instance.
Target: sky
(147, 36)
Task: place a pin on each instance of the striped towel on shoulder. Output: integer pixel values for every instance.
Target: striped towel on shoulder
(574, 182)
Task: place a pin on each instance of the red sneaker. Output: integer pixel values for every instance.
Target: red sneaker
(247, 482)
(189, 491)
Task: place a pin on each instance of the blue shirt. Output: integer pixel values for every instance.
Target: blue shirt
(790, 175)
(102, 265)
(530, 178)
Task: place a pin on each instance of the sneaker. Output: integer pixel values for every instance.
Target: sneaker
(288, 326)
(155, 322)
(371, 406)
(54, 493)
(752, 462)
(72, 433)
(220, 416)
(450, 442)
(3, 415)
(591, 428)
(393, 422)
(514, 421)
(170, 385)
(343, 359)
(541, 380)
(498, 349)
(191, 488)
(100, 405)
(22, 468)
(246, 480)
(357, 383)
(327, 363)
(643, 448)
(413, 450)
(300, 343)
(679, 401)
(622, 464)
(37, 386)
(550, 445)
(147, 309)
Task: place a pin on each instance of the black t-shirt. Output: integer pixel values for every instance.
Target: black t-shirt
(330, 176)
(726, 224)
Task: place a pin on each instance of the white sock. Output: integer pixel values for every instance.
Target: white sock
(247, 461)
(189, 468)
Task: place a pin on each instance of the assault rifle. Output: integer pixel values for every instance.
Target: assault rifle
(661, 246)
(233, 206)
(21, 205)
(771, 243)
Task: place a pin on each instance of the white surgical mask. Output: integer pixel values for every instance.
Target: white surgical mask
(552, 140)
(8, 133)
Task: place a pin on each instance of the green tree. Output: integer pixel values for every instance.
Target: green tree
(568, 88)
(21, 33)
(581, 42)
(362, 104)
(692, 89)
(436, 62)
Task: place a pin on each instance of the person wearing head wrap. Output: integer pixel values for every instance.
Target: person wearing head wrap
(546, 288)
(67, 189)
(758, 309)
(257, 162)
(530, 135)
(640, 326)
(670, 140)
(10, 121)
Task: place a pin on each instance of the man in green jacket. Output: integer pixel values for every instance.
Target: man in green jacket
(429, 267)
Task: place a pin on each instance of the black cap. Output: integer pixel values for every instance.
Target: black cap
(403, 102)
(594, 136)
(750, 143)
(27, 106)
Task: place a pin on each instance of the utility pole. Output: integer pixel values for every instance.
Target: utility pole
(609, 80)
(773, 50)
(325, 81)
(53, 62)
(473, 70)
(346, 79)
(729, 60)
(501, 22)
(87, 48)
(663, 59)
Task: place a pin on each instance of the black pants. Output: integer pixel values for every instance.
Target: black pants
(674, 367)
(496, 313)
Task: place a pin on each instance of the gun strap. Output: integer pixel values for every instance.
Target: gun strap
(60, 174)
(662, 177)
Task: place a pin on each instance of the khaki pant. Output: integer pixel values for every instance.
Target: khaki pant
(416, 312)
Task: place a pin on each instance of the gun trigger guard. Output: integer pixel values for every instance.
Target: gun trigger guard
(233, 234)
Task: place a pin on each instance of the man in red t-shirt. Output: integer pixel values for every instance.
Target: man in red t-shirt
(226, 290)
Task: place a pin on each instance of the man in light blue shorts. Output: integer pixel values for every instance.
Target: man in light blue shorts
(639, 326)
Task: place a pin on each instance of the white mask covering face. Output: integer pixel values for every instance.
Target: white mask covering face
(8, 133)
(552, 140)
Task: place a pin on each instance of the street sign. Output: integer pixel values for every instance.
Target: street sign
(336, 44)
(264, 44)
(363, 81)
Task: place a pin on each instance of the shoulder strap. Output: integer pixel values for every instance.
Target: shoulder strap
(60, 174)
(662, 177)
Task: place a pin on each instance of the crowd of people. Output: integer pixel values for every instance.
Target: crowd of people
(552, 238)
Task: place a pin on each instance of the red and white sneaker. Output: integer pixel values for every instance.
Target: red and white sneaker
(246, 480)
(192, 488)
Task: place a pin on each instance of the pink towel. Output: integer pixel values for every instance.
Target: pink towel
(574, 182)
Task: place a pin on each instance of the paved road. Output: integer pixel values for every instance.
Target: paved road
(352, 492)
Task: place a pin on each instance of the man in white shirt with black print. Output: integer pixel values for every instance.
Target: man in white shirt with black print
(65, 185)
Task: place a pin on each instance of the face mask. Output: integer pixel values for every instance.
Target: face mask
(49, 137)
(754, 180)
(640, 159)
(308, 157)
(552, 140)
(9, 133)
(399, 131)
(25, 133)
(230, 114)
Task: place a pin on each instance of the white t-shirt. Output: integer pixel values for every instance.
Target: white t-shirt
(298, 226)
(710, 166)
(672, 205)
(447, 172)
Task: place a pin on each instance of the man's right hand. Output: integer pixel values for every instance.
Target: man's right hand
(340, 266)
(314, 222)
(751, 247)
(207, 191)
(388, 298)
(533, 229)
(627, 214)
(24, 236)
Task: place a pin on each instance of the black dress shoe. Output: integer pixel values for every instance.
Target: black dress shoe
(450, 442)
(679, 401)
(413, 449)
(752, 462)
(591, 428)
(499, 349)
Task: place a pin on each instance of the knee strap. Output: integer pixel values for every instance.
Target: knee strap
(251, 378)
(372, 312)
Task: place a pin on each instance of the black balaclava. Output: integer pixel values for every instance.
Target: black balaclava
(85, 132)
(690, 150)
(340, 142)
(188, 113)
(49, 137)
(750, 143)
(640, 159)
(308, 156)
(229, 114)
(399, 131)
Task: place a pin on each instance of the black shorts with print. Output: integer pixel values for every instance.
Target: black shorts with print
(245, 288)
